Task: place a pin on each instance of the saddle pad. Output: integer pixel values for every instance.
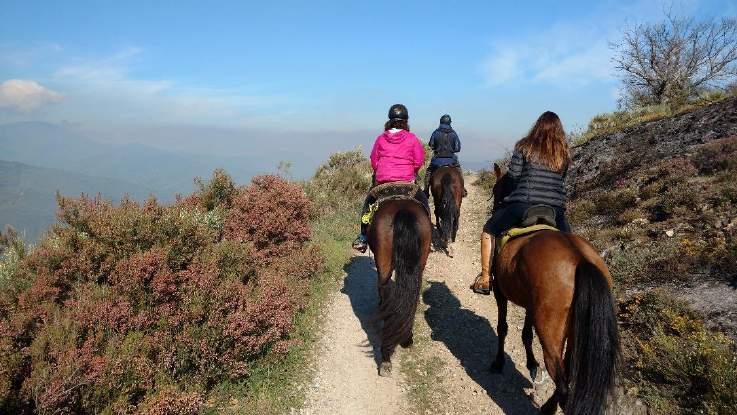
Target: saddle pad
(394, 191)
(391, 191)
(517, 232)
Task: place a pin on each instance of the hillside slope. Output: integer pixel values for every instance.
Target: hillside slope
(28, 194)
(659, 200)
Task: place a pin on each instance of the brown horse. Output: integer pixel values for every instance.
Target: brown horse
(564, 286)
(400, 237)
(447, 193)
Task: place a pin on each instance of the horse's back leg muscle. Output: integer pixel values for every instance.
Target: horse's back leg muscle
(551, 325)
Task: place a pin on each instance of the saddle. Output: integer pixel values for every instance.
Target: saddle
(537, 218)
(391, 191)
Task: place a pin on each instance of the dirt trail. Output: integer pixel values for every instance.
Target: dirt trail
(455, 336)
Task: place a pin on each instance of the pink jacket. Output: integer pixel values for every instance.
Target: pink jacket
(396, 157)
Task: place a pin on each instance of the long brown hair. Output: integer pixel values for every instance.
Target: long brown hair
(396, 123)
(546, 143)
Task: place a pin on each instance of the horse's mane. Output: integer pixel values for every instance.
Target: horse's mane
(502, 188)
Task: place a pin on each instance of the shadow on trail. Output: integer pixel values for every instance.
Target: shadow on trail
(472, 341)
(360, 287)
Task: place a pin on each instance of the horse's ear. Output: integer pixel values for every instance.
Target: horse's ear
(497, 171)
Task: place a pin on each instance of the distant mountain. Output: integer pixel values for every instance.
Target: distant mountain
(27, 194)
(164, 172)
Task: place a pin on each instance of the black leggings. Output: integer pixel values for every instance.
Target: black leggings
(510, 215)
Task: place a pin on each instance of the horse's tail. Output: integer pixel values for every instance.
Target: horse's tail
(448, 208)
(398, 310)
(593, 356)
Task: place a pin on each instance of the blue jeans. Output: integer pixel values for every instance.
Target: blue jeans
(510, 215)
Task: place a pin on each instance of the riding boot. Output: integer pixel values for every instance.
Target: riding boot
(482, 283)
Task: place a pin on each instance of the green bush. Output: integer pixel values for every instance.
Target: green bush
(486, 180)
(615, 202)
(683, 368)
(341, 182)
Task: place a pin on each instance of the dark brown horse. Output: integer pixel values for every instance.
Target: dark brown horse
(564, 286)
(400, 237)
(447, 193)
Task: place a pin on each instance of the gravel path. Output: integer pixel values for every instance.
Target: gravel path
(447, 371)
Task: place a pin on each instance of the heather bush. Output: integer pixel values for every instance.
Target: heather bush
(681, 366)
(717, 156)
(145, 308)
(272, 214)
(615, 202)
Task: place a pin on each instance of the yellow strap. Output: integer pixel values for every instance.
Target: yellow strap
(515, 232)
(366, 218)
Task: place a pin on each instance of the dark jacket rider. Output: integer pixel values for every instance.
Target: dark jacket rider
(444, 143)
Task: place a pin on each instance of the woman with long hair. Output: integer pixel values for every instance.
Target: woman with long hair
(537, 173)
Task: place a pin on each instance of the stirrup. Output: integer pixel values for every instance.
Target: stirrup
(360, 245)
(484, 291)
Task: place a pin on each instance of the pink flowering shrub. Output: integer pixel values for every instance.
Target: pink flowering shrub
(144, 308)
(271, 213)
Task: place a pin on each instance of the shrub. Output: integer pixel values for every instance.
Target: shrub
(340, 183)
(716, 156)
(486, 180)
(218, 191)
(271, 213)
(144, 308)
(660, 261)
(683, 367)
(615, 202)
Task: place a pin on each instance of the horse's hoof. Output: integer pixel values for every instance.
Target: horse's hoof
(385, 369)
(550, 407)
(538, 377)
(450, 251)
(407, 343)
(533, 373)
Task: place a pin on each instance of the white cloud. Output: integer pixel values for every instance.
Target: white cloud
(108, 88)
(561, 55)
(570, 52)
(502, 67)
(25, 95)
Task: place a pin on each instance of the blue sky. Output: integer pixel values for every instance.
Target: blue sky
(301, 68)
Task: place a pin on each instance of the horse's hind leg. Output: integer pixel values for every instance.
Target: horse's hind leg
(532, 364)
(501, 329)
(552, 338)
(455, 226)
(387, 350)
(384, 272)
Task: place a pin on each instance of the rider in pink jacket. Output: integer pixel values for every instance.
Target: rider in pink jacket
(397, 156)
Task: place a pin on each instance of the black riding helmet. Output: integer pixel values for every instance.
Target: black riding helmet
(398, 112)
(445, 119)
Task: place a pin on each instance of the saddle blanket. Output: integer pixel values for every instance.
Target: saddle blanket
(390, 191)
(517, 232)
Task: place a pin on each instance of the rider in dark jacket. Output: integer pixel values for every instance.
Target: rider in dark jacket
(444, 143)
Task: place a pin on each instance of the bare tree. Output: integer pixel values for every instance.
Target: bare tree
(674, 60)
